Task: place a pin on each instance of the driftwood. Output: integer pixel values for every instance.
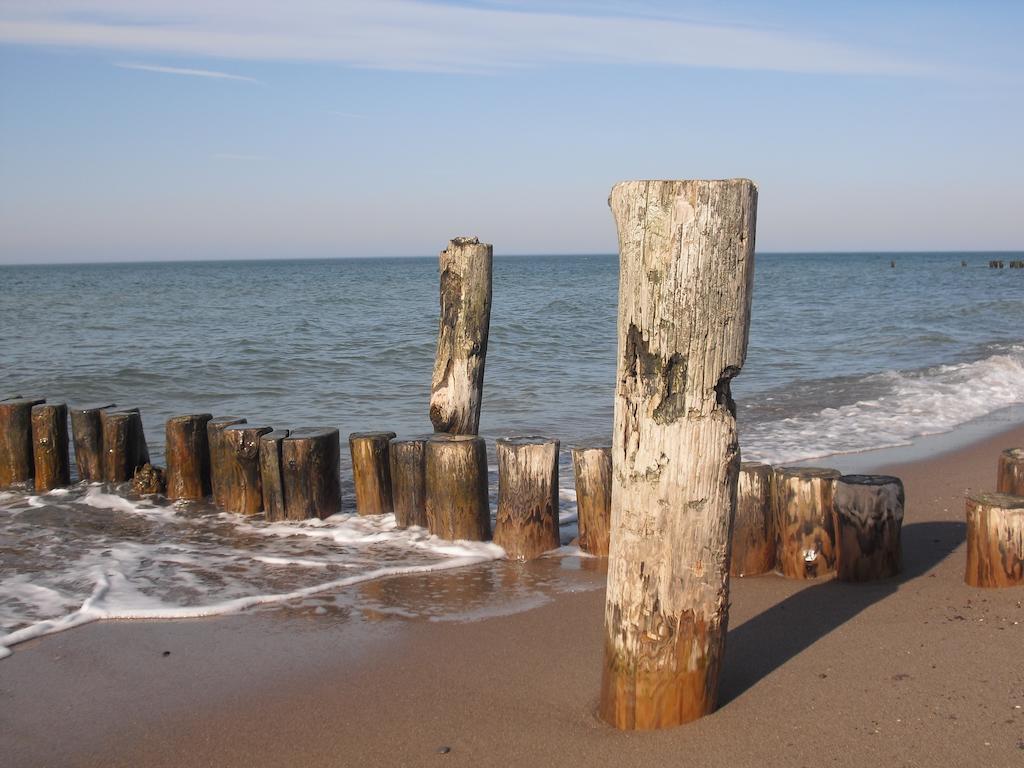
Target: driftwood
(50, 446)
(458, 380)
(753, 533)
(804, 523)
(17, 464)
(187, 453)
(868, 521)
(312, 473)
(995, 540)
(371, 472)
(1010, 477)
(272, 474)
(124, 444)
(457, 502)
(87, 436)
(592, 468)
(218, 461)
(685, 276)
(241, 488)
(408, 457)
(526, 524)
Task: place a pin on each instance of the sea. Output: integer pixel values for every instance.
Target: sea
(849, 352)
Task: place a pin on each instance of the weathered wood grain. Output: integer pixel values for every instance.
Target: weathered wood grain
(804, 521)
(457, 499)
(218, 460)
(272, 474)
(753, 533)
(124, 444)
(1010, 475)
(526, 524)
(187, 452)
(408, 457)
(312, 473)
(371, 472)
(995, 540)
(242, 488)
(17, 465)
(592, 469)
(50, 446)
(87, 436)
(868, 521)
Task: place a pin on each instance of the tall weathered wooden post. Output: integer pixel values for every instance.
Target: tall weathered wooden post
(458, 380)
(686, 253)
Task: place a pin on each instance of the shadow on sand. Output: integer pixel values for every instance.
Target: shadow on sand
(767, 641)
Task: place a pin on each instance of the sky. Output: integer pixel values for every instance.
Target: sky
(135, 130)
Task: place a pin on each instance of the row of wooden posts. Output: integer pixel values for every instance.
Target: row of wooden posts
(1000, 264)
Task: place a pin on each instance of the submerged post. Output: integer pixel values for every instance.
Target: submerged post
(458, 380)
(686, 252)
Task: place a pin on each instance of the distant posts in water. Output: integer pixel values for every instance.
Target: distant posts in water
(50, 446)
(458, 378)
(218, 463)
(241, 488)
(187, 453)
(1010, 475)
(17, 463)
(802, 512)
(592, 468)
(87, 436)
(526, 525)
(456, 484)
(371, 472)
(753, 533)
(1017, 264)
(408, 459)
(995, 540)
(272, 474)
(124, 444)
(868, 521)
(311, 463)
(996, 264)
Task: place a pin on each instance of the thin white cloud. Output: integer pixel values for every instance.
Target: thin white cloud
(415, 35)
(187, 72)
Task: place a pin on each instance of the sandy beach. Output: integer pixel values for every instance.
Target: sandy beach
(917, 671)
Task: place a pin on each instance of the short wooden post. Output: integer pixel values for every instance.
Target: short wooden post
(17, 464)
(124, 444)
(753, 533)
(592, 468)
(526, 524)
(272, 474)
(458, 380)
(995, 540)
(457, 499)
(868, 521)
(686, 259)
(218, 459)
(87, 436)
(187, 453)
(50, 446)
(371, 472)
(242, 490)
(312, 473)
(1010, 476)
(804, 522)
(408, 457)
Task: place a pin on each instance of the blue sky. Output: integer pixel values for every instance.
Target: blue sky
(186, 129)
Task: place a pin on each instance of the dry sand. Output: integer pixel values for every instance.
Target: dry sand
(916, 671)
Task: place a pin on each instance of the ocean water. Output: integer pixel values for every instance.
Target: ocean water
(846, 354)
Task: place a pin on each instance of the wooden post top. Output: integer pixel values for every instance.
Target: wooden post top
(16, 402)
(1000, 500)
(444, 437)
(422, 438)
(221, 421)
(305, 433)
(245, 427)
(370, 435)
(755, 466)
(870, 480)
(90, 407)
(527, 440)
(185, 418)
(1017, 454)
(809, 473)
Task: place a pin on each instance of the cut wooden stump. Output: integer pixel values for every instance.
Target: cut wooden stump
(371, 472)
(868, 521)
(526, 524)
(458, 380)
(1010, 477)
(804, 522)
(124, 444)
(149, 480)
(408, 457)
(312, 473)
(187, 453)
(87, 436)
(17, 464)
(272, 474)
(50, 446)
(995, 540)
(457, 501)
(242, 489)
(218, 462)
(592, 468)
(685, 276)
(753, 533)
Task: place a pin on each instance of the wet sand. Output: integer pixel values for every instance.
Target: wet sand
(916, 671)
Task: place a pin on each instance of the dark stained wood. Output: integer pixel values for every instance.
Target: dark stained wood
(526, 524)
(87, 436)
(592, 467)
(995, 540)
(408, 457)
(149, 480)
(50, 446)
(804, 521)
(457, 500)
(1010, 477)
(868, 520)
(124, 444)
(187, 454)
(218, 459)
(753, 532)
(312, 473)
(242, 488)
(272, 474)
(371, 472)
(17, 465)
